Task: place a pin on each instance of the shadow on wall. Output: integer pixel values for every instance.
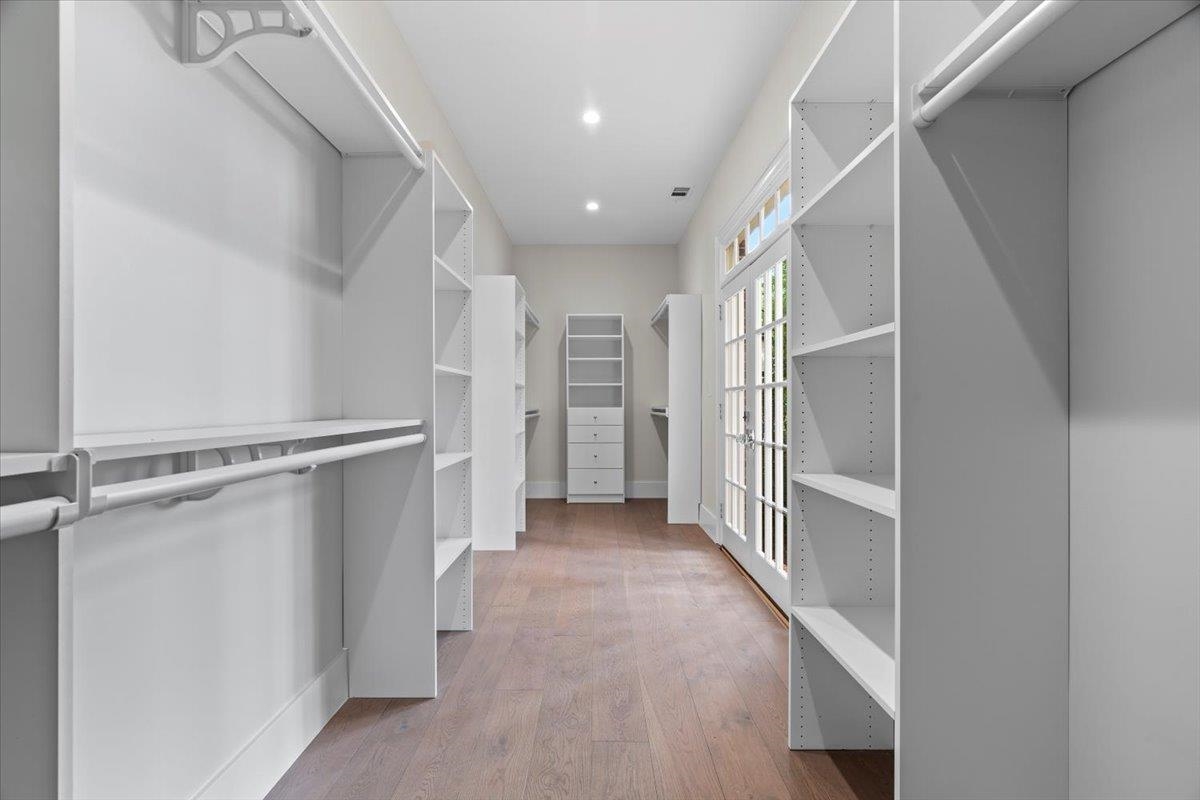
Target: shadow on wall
(1013, 234)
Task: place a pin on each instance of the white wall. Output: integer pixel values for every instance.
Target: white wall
(629, 280)
(760, 137)
(1135, 432)
(370, 29)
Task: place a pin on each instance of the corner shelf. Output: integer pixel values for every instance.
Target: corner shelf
(876, 342)
(443, 461)
(445, 279)
(446, 552)
(873, 492)
(136, 444)
(441, 369)
(861, 193)
(862, 640)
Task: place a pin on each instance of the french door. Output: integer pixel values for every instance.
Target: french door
(754, 426)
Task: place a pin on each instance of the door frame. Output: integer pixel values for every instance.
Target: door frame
(744, 550)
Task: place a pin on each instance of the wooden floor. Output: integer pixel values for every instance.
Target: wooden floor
(613, 656)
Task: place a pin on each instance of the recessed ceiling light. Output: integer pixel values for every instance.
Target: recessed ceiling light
(592, 205)
(591, 116)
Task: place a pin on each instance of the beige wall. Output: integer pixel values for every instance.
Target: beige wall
(375, 37)
(629, 280)
(762, 133)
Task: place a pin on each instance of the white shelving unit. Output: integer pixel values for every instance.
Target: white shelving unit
(503, 322)
(842, 405)
(454, 387)
(595, 374)
(677, 321)
(371, 284)
(933, 400)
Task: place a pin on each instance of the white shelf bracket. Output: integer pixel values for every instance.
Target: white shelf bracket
(232, 22)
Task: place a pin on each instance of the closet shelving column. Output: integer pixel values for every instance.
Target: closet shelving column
(842, 684)
(595, 408)
(526, 324)
(501, 324)
(452, 425)
(677, 322)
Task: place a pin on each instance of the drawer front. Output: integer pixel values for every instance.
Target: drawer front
(595, 481)
(595, 433)
(595, 416)
(607, 456)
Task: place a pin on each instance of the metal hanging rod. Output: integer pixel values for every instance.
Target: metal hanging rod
(1020, 35)
(34, 516)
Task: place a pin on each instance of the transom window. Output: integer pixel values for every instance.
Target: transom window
(758, 228)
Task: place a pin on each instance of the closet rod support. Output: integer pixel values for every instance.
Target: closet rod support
(262, 15)
(1021, 34)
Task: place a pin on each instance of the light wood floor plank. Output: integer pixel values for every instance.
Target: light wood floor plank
(623, 771)
(613, 656)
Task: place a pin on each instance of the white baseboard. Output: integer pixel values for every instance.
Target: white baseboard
(708, 521)
(646, 489)
(261, 762)
(545, 490)
(558, 489)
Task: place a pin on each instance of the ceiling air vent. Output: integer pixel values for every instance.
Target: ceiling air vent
(680, 191)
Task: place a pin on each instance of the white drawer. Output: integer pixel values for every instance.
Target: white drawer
(595, 433)
(608, 456)
(595, 481)
(595, 416)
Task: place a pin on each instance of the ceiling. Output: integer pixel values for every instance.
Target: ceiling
(671, 80)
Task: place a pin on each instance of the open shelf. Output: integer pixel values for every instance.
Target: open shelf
(446, 552)
(861, 193)
(841, 72)
(29, 463)
(659, 411)
(862, 640)
(442, 461)
(322, 77)
(876, 342)
(1088, 37)
(446, 279)
(873, 492)
(533, 412)
(135, 444)
(441, 369)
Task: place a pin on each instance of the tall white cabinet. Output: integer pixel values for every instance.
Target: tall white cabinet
(939, 389)
(503, 321)
(677, 322)
(595, 372)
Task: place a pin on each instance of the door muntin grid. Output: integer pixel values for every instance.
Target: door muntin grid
(734, 429)
(769, 434)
